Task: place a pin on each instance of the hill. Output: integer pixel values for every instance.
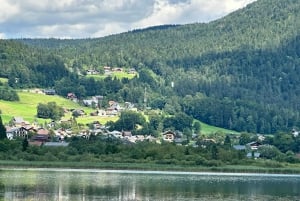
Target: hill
(239, 72)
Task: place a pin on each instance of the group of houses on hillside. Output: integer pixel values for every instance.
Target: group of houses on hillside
(36, 135)
(109, 70)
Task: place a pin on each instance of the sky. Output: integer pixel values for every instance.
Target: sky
(98, 18)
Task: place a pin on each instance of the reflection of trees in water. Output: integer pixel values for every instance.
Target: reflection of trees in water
(64, 185)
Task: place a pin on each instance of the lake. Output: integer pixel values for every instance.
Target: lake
(74, 184)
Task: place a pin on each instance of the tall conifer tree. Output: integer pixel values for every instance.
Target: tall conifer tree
(2, 130)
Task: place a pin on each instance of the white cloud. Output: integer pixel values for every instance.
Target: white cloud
(7, 10)
(108, 29)
(166, 12)
(2, 36)
(95, 18)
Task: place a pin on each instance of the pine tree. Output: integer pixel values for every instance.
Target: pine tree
(2, 130)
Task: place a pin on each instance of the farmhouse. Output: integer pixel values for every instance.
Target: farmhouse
(41, 136)
(92, 72)
(169, 136)
(15, 132)
(49, 91)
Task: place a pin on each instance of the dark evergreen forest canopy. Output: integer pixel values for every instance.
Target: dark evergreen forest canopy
(240, 72)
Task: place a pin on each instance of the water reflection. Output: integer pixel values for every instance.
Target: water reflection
(37, 184)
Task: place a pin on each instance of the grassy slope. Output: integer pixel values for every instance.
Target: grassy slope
(208, 129)
(118, 75)
(27, 106)
(3, 80)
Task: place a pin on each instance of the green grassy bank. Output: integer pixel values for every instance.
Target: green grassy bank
(149, 166)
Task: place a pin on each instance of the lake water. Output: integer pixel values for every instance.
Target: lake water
(70, 184)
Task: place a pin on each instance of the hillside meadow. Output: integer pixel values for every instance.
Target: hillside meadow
(27, 108)
(208, 129)
(118, 75)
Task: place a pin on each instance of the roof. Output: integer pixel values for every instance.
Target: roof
(127, 133)
(13, 129)
(254, 143)
(18, 120)
(169, 132)
(10, 130)
(115, 132)
(239, 147)
(42, 131)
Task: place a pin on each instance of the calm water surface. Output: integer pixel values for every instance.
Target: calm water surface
(69, 184)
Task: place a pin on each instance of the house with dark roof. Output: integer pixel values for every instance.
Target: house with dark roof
(49, 91)
(169, 136)
(42, 135)
(15, 132)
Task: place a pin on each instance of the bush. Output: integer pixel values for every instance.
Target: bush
(213, 163)
(200, 161)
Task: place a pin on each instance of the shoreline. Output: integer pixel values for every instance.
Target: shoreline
(150, 172)
(146, 167)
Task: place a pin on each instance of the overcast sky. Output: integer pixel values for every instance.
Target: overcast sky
(97, 18)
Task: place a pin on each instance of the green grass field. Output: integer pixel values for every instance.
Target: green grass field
(118, 75)
(27, 108)
(3, 80)
(208, 129)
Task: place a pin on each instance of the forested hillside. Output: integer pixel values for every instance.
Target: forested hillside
(239, 72)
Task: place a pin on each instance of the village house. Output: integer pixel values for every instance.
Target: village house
(253, 145)
(117, 69)
(126, 134)
(42, 135)
(101, 113)
(132, 71)
(295, 133)
(49, 91)
(72, 97)
(116, 134)
(113, 105)
(94, 101)
(107, 70)
(169, 136)
(92, 72)
(113, 109)
(16, 132)
(84, 134)
(60, 134)
(239, 147)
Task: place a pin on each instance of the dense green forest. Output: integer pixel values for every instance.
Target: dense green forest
(239, 72)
